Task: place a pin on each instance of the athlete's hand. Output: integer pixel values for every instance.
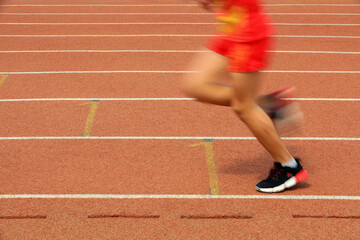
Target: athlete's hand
(206, 4)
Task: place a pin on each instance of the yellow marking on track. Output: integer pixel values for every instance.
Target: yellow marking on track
(3, 78)
(90, 119)
(210, 160)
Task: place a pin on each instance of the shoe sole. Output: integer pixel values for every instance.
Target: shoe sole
(301, 176)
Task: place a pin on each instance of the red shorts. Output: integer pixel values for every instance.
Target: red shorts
(242, 56)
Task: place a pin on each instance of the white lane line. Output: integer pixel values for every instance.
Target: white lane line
(331, 72)
(185, 13)
(312, 4)
(325, 99)
(317, 52)
(100, 99)
(180, 72)
(137, 35)
(109, 23)
(175, 196)
(169, 35)
(173, 138)
(160, 51)
(166, 5)
(161, 99)
(300, 36)
(80, 72)
(114, 13)
(316, 24)
(317, 14)
(106, 51)
(100, 5)
(179, 23)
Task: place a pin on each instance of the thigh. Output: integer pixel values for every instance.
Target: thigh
(245, 87)
(209, 66)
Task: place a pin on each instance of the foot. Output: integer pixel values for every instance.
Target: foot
(281, 178)
(284, 111)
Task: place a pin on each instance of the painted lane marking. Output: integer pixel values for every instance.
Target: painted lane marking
(160, 99)
(100, 5)
(175, 138)
(210, 162)
(312, 4)
(175, 196)
(99, 99)
(161, 51)
(316, 24)
(168, 5)
(324, 99)
(106, 51)
(142, 35)
(300, 36)
(3, 77)
(169, 35)
(97, 13)
(90, 118)
(120, 23)
(318, 14)
(120, 71)
(295, 71)
(317, 52)
(181, 23)
(184, 13)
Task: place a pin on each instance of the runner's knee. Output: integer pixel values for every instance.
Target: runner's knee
(241, 107)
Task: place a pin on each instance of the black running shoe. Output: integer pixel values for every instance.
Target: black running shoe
(281, 178)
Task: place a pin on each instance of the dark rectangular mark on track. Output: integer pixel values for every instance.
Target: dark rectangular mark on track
(23, 217)
(124, 216)
(216, 217)
(326, 217)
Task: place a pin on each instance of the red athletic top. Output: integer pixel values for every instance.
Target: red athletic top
(242, 20)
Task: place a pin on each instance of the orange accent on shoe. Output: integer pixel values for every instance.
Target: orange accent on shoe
(301, 176)
(286, 92)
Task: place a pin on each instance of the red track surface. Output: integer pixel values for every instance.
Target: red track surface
(158, 167)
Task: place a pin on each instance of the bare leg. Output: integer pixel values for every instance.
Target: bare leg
(243, 102)
(203, 85)
(241, 96)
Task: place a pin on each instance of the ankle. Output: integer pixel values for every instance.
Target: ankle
(292, 163)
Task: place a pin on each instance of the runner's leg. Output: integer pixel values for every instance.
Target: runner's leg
(243, 102)
(203, 84)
